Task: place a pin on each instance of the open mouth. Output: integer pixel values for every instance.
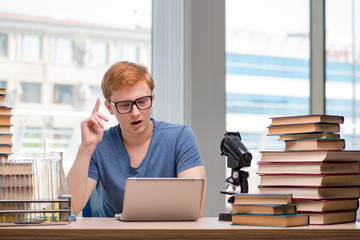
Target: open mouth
(136, 122)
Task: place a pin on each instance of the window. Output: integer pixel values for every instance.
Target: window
(98, 53)
(96, 92)
(3, 84)
(129, 52)
(267, 69)
(61, 137)
(343, 67)
(267, 66)
(63, 94)
(30, 47)
(31, 92)
(79, 38)
(3, 45)
(63, 50)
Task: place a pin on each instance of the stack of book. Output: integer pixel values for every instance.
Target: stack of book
(5, 127)
(15, 176)
(309, 132)
(266, 210)
(323, 177)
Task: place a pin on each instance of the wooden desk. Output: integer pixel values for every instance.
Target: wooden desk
(205, 228)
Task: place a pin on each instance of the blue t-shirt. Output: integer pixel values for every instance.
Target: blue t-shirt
(173, 149)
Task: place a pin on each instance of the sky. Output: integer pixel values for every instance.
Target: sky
(275, 16)
(272, 16)
(116, 13)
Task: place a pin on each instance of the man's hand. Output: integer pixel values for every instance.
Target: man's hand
(92, 127)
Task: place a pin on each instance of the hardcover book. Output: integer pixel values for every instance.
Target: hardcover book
(5, 129)
(5, 148)
(5, 119)
(314, 192)
(331, 217)
(264, 208)
(303, 128)
(5, 110)
(309, 136)
(310, 156)
(323, 205)
(310, 180)
(315, 144)
(288, 220)
(2, 99)
(307, 119)
(308, 167)
(6, 138)
(248, 198)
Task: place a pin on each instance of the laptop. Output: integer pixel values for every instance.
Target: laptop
(162, 199)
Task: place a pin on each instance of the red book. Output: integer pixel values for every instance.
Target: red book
(325, 218)
(329, 180)
(303, 128)
(326, 205)
(308, 167)
(314, 118)
(310, 156)
(314, 144)
(313, 192)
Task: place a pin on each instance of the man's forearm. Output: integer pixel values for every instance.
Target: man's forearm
(198, 171)
(78, 176)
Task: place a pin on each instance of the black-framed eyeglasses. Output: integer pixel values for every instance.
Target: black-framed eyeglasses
(142, 103)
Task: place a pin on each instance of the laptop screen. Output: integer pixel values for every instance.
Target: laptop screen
(162, 199)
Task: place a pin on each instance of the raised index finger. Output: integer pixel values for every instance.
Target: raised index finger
(97, 105)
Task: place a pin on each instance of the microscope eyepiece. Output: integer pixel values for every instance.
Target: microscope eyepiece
(232, 145)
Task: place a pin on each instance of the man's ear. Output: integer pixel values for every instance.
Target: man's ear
(153, 96)
(108, 106)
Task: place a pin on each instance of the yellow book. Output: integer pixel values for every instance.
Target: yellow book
(271, 220)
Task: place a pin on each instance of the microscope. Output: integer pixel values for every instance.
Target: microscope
(238, 157)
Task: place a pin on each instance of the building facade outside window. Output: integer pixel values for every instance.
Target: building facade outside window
(343, 66)
(30, 47)
(30, 92)
(129, 52)
(3, 84)
(3, 45)
(63, 94)
(267, 69)
(63, 50)
(52, 59)
(99, 53)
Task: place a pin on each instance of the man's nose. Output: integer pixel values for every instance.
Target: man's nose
(135, 110)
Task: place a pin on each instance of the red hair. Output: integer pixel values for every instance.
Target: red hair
(125, 74)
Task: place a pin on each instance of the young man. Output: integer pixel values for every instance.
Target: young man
(138, 146)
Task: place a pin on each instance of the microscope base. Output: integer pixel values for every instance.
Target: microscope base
(225, 217)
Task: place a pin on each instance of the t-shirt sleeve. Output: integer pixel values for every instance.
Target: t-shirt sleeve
(187, 151)
(93, 169)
